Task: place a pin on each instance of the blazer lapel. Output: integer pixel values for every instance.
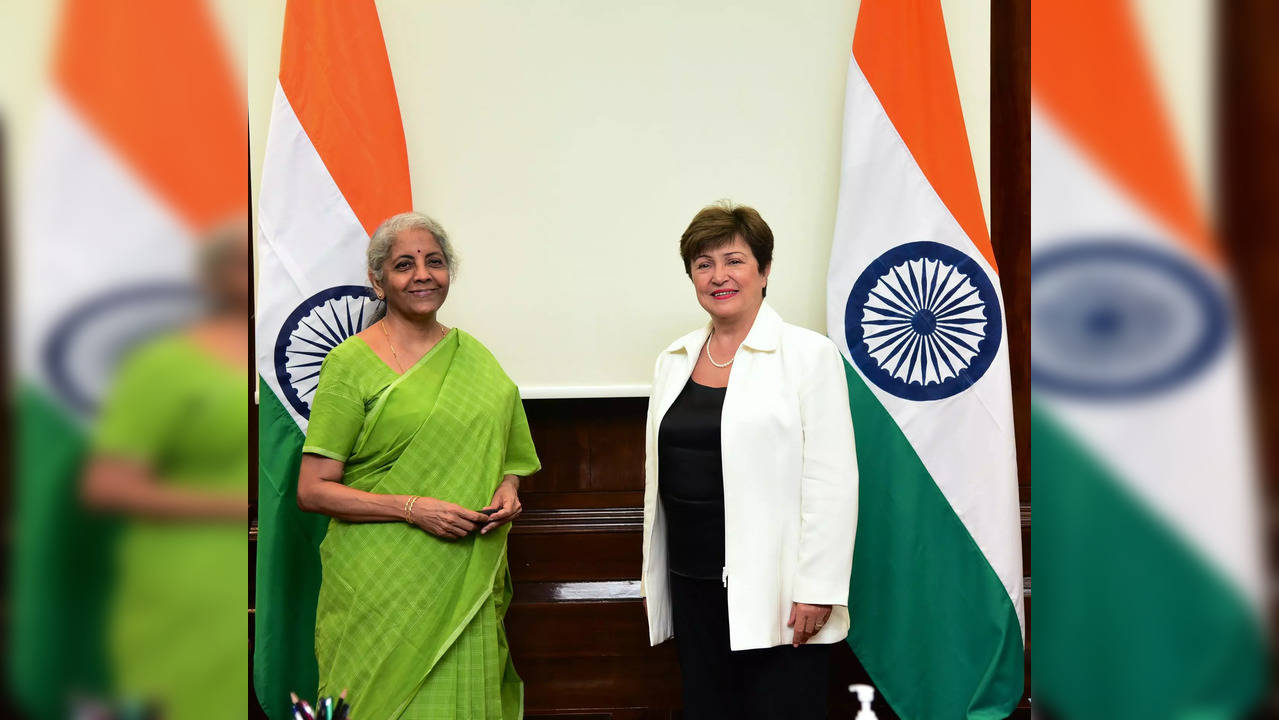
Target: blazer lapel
(677, 376)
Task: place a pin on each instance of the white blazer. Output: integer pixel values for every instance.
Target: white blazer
(790, 483)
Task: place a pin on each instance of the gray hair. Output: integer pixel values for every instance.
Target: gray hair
(380, 243)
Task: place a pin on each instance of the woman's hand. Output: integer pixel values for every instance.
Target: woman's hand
(807, 620)
(444, 519)
(506, 501)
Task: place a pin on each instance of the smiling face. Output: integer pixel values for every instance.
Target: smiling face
(415, 275)
(728, 280)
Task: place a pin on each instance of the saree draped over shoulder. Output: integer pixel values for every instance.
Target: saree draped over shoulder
(412, 624)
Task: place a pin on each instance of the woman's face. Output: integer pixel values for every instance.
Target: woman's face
(415, 277)
(728, 280)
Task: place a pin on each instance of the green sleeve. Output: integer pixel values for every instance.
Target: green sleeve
(337, 412)
(142, 408)
(521, 456)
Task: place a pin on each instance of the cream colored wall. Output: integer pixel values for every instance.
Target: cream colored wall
(25, 42)
(1178, 35)
(566, 145)
(968, 32)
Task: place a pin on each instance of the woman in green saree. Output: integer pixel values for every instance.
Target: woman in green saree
(416, 443)
(170, 459)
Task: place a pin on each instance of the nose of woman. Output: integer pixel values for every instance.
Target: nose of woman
(422, 274)
(719, 273)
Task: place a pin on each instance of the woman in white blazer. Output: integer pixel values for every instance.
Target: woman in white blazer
(750, 500)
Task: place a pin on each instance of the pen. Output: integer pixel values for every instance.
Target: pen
(299, 709)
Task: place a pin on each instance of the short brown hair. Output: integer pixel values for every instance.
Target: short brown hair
(716, 225)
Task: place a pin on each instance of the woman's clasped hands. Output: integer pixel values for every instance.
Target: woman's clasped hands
(444, 519)
(451, 521)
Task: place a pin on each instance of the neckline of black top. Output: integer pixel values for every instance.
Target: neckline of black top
(694, 383)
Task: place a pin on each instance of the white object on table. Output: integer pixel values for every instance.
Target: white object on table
(865, 694)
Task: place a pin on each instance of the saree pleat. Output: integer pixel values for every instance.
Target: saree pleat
(410, 623)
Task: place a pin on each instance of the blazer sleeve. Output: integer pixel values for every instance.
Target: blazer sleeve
(828, 502)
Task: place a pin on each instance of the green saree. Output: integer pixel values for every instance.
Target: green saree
(177, 624)
(410, 623)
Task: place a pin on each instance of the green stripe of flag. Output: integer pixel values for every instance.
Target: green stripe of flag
(928, 611)
(288, 565)
(63, 563)
(1134, 623)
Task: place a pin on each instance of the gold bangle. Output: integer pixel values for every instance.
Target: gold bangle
(408, 509)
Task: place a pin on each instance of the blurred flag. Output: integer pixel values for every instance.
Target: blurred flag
(914, 304)
(1146, 534)
(141, 147)
(336, 166)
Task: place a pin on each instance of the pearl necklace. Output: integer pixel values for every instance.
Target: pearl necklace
(708, 353)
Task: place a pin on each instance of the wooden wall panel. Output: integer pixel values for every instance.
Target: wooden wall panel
(576, 545)
(1010, 201)
(587, 447)
(1247, 155)
(1010, 231)
(1247, 165)
(577, 629)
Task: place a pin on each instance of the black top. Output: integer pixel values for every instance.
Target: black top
(691, 482)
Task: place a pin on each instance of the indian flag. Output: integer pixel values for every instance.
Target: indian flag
(1146, 529)
(140, 149)
(914, 304)
(335, 167)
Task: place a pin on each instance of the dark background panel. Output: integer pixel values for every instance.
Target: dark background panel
(1248, 170)
(1010, 202)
